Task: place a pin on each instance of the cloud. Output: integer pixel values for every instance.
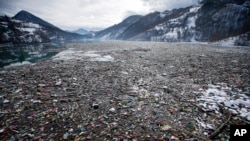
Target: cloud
(90, 14)
(129, 13)
(162, 5)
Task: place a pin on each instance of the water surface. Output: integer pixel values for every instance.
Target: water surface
(27, 54)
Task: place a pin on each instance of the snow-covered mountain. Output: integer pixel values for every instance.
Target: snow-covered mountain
(82, 31)
(176, 25)
(28, 17)
(209, 21)
(25, 27)
(114, 31)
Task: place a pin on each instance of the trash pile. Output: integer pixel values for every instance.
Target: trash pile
(127, 91)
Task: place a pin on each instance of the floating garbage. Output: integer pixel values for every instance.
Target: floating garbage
(65, 136)
(41, 85)
(6, 101)
(95, 106)
(126, 91)
(112, 110)
(58, 83)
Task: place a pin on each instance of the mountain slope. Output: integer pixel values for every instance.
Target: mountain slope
(179, 25)
(28, 17)
(149, 21)
(223, 19)
(81, 31)
(25, 27)
(114, 31)
(208, 21)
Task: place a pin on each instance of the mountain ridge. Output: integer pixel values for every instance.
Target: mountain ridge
(115, 30)
(208, 21)
(83, 31)
(25, 28)
(29, 17)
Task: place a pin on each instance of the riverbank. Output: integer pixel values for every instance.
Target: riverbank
(127, 90)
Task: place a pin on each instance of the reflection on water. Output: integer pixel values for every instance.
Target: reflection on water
(25, 54)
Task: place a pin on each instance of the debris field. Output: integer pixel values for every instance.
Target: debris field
(122, 90)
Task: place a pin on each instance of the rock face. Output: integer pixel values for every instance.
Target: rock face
(206, 21)
(24, 27)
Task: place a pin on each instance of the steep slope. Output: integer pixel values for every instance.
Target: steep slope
(222, 19)
(25, 27)
(149, 21)
(177, 26)
(114, 31)
(28, 17)
(16, 32)
(207, 21)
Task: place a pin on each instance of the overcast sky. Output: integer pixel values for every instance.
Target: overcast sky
(88, 14)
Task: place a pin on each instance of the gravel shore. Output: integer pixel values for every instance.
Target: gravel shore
(118, 90)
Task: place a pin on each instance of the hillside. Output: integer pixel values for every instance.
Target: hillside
(25, 27)
(208, 21)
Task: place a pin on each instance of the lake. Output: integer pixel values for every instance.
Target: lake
(15, 55)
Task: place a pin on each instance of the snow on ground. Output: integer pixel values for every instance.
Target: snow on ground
(106, 36)
(226, 42)
(191, 21)
(32, 25)
(221, 95)
(194, 9)
(159, 27)
(180, 18)
(172, 34)
(28, 29)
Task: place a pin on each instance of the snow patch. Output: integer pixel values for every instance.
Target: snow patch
(27, 29)
(191, 21)
(221, 95)
(106, 36)
(30, 25)
(159, 27)
(16, 21)
(172, 34)
(229, 42)
(194, 9)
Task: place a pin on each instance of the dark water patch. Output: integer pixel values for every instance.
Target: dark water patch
(18, 54)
